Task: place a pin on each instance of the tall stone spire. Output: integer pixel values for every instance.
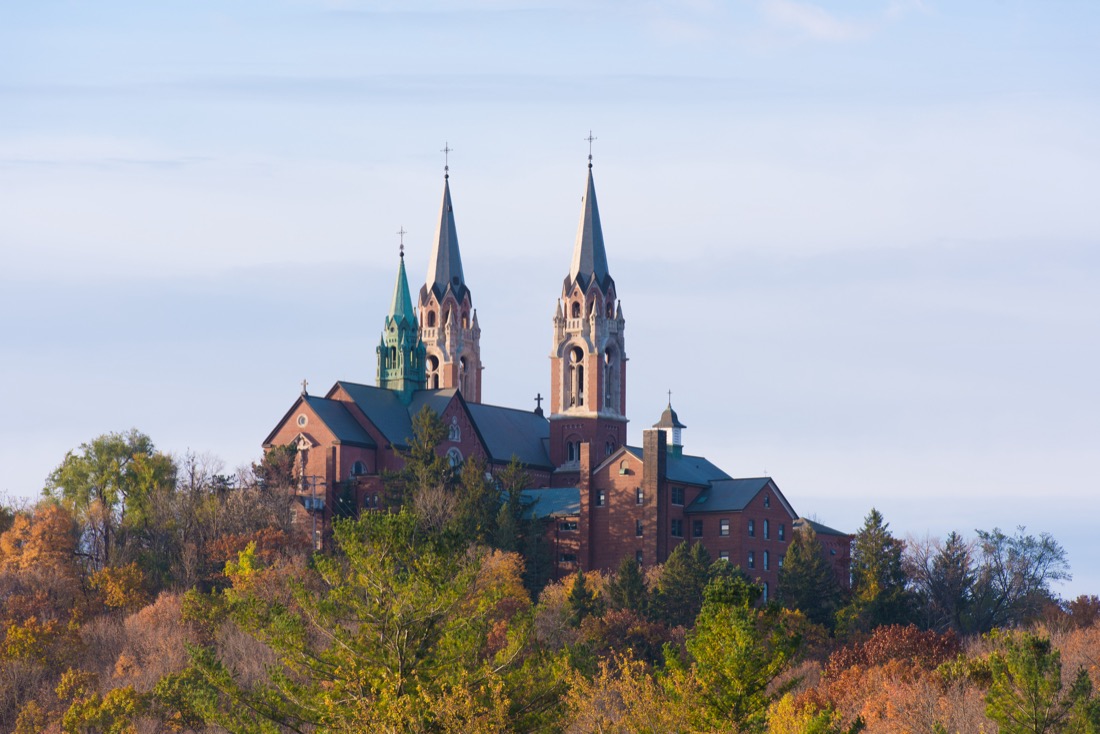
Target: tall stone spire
(401, 352)
(589, 255)
(449, 328)
(445, 265)
(588, 360)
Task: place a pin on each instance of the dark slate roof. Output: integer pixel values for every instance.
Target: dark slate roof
(343, 425)
(669, 419)
(589, 256)
(687, 469)
(508, 432)
(817, 527)
(728, 495)
(437, 400)
(445, 265)
(384, 409)
(551, 502)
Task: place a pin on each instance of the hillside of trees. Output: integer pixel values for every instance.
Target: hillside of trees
(152, 593)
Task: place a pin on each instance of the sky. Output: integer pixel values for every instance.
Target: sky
(858, 241)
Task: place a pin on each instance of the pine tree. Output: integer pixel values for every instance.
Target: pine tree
(627, 590)
(879, 595)
(806, 582)
(582, 600)
(680, 589)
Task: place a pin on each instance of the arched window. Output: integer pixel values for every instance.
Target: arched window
(610, 384)
(610, 309)
(576, 377)
(431, 319)
(454, 433)
(358, 468)
(432, 373)
(465, 319)
(393, 356)
(462, 376)
(454, 456)
(576, 309)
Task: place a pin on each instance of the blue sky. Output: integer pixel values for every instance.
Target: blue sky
(859, 241)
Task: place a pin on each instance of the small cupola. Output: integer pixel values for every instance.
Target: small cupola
(671, 425)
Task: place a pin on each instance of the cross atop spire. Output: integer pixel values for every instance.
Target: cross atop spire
(401, 248)
(446, 159)
(590, 139)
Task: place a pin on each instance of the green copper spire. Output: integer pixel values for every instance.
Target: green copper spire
(401, 354)
(402, 307)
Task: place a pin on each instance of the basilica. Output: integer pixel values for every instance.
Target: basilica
(599, 498)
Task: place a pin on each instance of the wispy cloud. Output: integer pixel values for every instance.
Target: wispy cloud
(812, 21)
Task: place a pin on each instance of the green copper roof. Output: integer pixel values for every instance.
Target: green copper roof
(402, 307)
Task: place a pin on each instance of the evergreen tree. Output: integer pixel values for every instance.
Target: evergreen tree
(879, 595)
(806, 582)
(510, 525)
(679, 594)
(627, 590)
(582, 600)
(951, 584)
(478, 504)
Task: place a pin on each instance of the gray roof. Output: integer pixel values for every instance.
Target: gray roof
(508, 432)
(551, 502)
(728, 495)
(589, 255)
(384, 409)
(818, 528)
(687, 469)
(445, 264)
(343, 425)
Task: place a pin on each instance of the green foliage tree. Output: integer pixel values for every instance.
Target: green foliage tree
(109, 485)
(396, 632)
(879, 594)
(479, 504)
(737, 653)
(1026, 693)
(806, 582)
(679, 595)
(627, 590)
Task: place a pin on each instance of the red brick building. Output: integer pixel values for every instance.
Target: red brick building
(602, 499)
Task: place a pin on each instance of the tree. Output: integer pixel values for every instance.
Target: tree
(107, 484)
(478, 504)
(679, 594)
(806, 582)
(627, 590)
(942, 577)
(1014, 577)
(879, 595)
(737, 653)
(1026, 693)
(582, 600)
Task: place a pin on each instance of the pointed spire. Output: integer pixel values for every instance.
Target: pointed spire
(589, 256)
(401, 308)
(445, 265)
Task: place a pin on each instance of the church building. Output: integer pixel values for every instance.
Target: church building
(601, 499)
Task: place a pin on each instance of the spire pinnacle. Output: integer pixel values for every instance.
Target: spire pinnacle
(590, 139)
(401, 308)
(589, 255)
(446, 160)
(445, 265)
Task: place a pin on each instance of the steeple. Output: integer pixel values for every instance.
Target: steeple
(588, 360)
(589, 255)
(671, 425)
(445, 265)
(401, 352)
(449, 328)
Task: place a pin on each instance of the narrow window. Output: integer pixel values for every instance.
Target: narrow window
(431, 319)
(782, 531)
(677, 528)
(637, 528)
(638, 557)
(677, 495)
(576, 309)
(639, 495)
(601, 498)
(697, 528)
(767, 565)
(767, 534)
(752, 528)
(765, 596)
(780, 561)
(724, 527)
(767, 500)
(752, 559)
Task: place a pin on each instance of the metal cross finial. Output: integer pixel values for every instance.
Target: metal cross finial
(538, 401)
(446, 159)
(305, 384)
(590, 139)
(401, 248)
(670, 398)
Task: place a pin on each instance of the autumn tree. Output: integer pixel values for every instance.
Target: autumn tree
(1014, 577)
(806, 582)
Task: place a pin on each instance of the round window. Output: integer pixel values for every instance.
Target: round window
(302, 420)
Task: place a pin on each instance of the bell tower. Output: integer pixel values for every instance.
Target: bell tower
(588, 360)
(448, 321)
(401, 353)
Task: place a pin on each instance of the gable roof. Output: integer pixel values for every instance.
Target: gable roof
(818, 528)
(687, 469)
(383, 408)
(734, 495)
(507, 432)
(334, 414)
